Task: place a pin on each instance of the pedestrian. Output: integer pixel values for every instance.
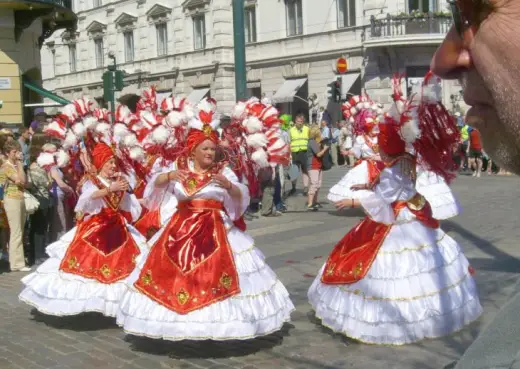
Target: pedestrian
(299, 135)
(315, 152)
(25, 143)
(474, 152)
(13, 180)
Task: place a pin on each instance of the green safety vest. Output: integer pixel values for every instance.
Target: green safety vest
(464, 134)
(299, 139)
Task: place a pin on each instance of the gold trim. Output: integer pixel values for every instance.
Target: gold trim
(412, 249)
(358, 292)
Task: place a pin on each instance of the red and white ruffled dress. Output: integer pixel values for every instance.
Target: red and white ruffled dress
(88, 266)
(396, 277)
(203, 278)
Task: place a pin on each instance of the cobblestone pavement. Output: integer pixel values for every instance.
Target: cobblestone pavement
(295, 245)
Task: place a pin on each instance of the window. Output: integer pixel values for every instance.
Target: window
(129, 46)
(162, 39)
(96, 3)
(346, 13)
(250, 23)
(423, 6)
(72, 58)
(294, 17)
(100, 52)
(199, 32)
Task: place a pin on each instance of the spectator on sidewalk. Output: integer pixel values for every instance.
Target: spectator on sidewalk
(13, 180)
(299, 135)
(315, 153)
(334, 148)
(25, 143)
(475, 152)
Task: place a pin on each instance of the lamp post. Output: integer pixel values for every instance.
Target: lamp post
(239, 39)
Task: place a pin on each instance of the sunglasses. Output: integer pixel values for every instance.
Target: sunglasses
(469, 14)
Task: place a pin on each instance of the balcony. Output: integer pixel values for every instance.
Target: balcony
(54, 14)
(408, 29)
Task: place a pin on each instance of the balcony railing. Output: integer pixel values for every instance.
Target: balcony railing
(67, 4)
(403, 25)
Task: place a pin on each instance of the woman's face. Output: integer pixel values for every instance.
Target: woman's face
(204, 154)
(109, 168)
(14, 154)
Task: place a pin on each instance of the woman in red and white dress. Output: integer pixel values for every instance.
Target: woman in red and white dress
(396, 277)
(364, 116)
(203, 278)
(88, 266)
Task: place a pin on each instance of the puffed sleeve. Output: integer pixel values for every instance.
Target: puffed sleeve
(86, 204)
(357, 148)
(235, 209)
(393, 185)
(154, 197)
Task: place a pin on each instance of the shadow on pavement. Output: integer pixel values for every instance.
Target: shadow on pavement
(501, 261)
(207, 349)
(79, 323)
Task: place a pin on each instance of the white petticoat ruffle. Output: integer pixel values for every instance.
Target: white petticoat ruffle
(54, 292)
(419, 286)
(437, 192)
(261, 308)
(355, 176)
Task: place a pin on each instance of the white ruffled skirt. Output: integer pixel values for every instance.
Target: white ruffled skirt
(261, 308)
(435, 189)
(355, 176)
(419, 286)
(54, 292)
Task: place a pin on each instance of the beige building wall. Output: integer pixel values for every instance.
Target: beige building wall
(16, 59)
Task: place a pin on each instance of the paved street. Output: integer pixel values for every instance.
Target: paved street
(295, 245)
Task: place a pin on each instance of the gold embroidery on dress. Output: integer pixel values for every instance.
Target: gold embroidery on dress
(105, 270)
(357, 270)
(330, 271)
(417, 202)
(226, 280)
(183, 297)
(192, 183)
(147, 278)
(73, 263)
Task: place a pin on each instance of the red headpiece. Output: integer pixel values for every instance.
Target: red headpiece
(101, 154)
(196, 137)
(389, 139)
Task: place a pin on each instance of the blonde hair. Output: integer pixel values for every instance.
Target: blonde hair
(315, 133)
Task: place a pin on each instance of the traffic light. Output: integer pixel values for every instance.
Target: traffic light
(108, 85)
(334, 90)
(119, 80)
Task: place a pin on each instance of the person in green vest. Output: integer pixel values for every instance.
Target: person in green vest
(464, 138)
(299, 135)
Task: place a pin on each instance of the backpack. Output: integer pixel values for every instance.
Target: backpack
(326, 161)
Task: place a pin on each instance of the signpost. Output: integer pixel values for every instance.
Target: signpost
(342, 65)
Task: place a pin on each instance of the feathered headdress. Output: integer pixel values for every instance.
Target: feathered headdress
(362, 113)
(421, 122)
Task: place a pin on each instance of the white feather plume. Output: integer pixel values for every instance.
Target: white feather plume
(120, 131)
(130, 140)
(256, 140)
(79, 129)
(90, 123)
(45, 159)
(160, 135)
(70, 140)
(260, 158)
(103, 128)
(136, 153)
(62, 158)
(195, 124)
(239, 110)
(253, 124)
(175, 118)
(410, 130)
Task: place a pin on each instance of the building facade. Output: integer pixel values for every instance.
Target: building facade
(186, 47)
(24, 27)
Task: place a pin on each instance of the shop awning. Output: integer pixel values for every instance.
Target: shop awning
(347, 81)
(196, 95)
(288, 90)
(43, 92)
